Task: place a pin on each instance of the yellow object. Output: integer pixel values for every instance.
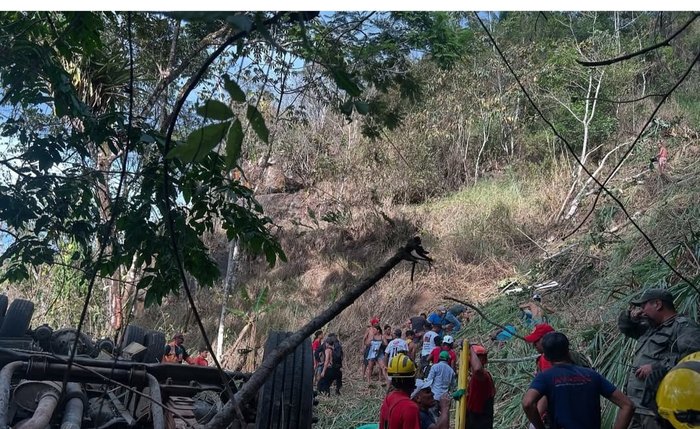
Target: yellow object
(678, 396)
(401, 366)
(462, 383)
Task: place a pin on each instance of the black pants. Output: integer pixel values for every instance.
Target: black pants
(332, 374)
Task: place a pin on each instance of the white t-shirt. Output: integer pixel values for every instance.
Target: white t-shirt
(394, 346)
(428, 343)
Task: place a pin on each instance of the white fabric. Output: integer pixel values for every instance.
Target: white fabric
(394, 346)
(428, 343)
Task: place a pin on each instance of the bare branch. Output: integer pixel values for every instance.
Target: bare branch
(174, 73)
(641, 51)
(583, 167)
(624, 157)
(634, 100)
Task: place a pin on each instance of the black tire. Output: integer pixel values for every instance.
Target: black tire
(286, 399)
(17, 319)
(3, 307)
(133, 334)
(155, 346)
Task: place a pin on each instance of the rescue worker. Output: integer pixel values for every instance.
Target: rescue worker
(481, 390)
(398, 411)
(664, 337)
(678, 397)
(174, 351)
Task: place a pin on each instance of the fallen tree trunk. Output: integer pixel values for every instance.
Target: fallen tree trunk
(274, 357)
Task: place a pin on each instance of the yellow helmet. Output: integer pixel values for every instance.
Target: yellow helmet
(401, 366)
(678, 396)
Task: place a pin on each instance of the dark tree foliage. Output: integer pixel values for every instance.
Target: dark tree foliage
(87, 98)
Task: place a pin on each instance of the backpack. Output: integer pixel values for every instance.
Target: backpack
(337, 355)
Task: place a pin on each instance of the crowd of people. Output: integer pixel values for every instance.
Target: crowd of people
(420, 365)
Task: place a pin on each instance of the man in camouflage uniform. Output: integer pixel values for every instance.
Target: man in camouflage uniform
(663, 338)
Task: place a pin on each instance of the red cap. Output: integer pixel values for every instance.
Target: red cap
(479, 349)
(374, 321)
(540, 331)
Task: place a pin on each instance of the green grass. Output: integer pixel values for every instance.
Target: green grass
(484, 195)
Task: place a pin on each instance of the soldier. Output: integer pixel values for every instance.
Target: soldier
(663, 338)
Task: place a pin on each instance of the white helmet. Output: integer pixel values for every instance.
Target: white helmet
(537, 297)
(448, 339)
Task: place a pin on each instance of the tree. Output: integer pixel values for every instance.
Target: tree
(98, 158)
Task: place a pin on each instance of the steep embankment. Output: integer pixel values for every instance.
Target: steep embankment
(499, 231)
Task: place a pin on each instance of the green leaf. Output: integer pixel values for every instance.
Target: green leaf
(152, 297)
(199, 143)
(345, 82)
(270, 255)
(362, 107)
(234, 142)
(215, 109)
(233, 89)
(258, 123)
(145, 282)
(262, 28)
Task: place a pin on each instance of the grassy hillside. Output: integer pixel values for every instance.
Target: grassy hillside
(477, 236)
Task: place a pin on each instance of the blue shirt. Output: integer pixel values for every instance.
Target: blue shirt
(426, 419)
(436, 319)
(573, 395)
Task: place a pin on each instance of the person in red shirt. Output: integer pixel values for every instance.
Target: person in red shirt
(318, 339)
(398, 411)
(535, 338)
(481, 391)
(445, 345)
(201, 358)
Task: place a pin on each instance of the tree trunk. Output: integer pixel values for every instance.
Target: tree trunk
(229, 285)
(589, 113)
(485, 139)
